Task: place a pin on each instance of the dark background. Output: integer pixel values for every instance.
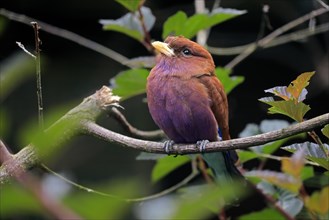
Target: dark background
(71, 72)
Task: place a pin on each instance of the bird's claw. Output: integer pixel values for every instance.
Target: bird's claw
(167, 146)
(202, 145)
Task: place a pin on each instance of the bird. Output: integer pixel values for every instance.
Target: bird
(188, 102)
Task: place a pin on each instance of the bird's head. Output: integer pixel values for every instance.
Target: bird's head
(179, 55)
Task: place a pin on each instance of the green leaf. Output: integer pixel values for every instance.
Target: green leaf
(246, 155)
(95, 206)
(229, 82)
(289, 108)
(263, 214)
(166, 165)
(129, 24)
(179, 24)
(14, 199)
(174, 24)
(319, 201)
(313, 152)
(282, 180)
(130, 83)
(200, 201)
(48, 142)
(307, 172)
(131, 5)
(325, 131)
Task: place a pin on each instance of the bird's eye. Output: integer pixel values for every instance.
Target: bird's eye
(186, 52)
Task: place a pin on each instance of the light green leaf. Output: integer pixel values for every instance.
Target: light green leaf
(246, 155)
(166, 165)
(131, 5)
(325, 131)
(313, 152)
(229, 82)
(263, 214)
(201, 201)
(129, 83)
(289, 108)
(307, 172)
(319, 201)
(14, 199)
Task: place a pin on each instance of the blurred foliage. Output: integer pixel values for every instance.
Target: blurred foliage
(197, 201)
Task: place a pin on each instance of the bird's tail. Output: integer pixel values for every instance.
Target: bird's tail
(222, 165)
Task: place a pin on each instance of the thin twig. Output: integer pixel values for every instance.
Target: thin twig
(67, 35)
(275, 34)
(323, 4)
(134, 131)
(25, 50)
(202, 35)
(36, 28)
(171, 189)
(147, 38)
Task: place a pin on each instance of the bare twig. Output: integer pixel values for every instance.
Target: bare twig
(323, 4)
(202, 35)
(67, 35)
(36, 28)
(275, 34)
(294, 36)
(25, 50)
(134, 131)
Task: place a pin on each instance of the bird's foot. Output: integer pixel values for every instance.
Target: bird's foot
(202, 145)
(167, 146)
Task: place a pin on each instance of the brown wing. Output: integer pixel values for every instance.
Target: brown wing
(219, 105)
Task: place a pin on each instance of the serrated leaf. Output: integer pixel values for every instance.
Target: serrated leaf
(263, 214)
(319, 201)
(129, 83)
(296, 87)
(279, 179)
(131, 5)
(289, 202)
(180, 24)
(289, 108)
(130, 24)
(313, 152)
(166, 165)
(294, 164)
(325, 131)
(229, 82)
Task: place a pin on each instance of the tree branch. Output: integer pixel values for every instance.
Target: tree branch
(67, 35)
(275, 34)
(85, 114)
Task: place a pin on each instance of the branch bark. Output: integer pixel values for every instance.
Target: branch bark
(85, 114)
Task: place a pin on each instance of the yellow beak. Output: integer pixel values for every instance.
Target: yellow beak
(163, 48)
